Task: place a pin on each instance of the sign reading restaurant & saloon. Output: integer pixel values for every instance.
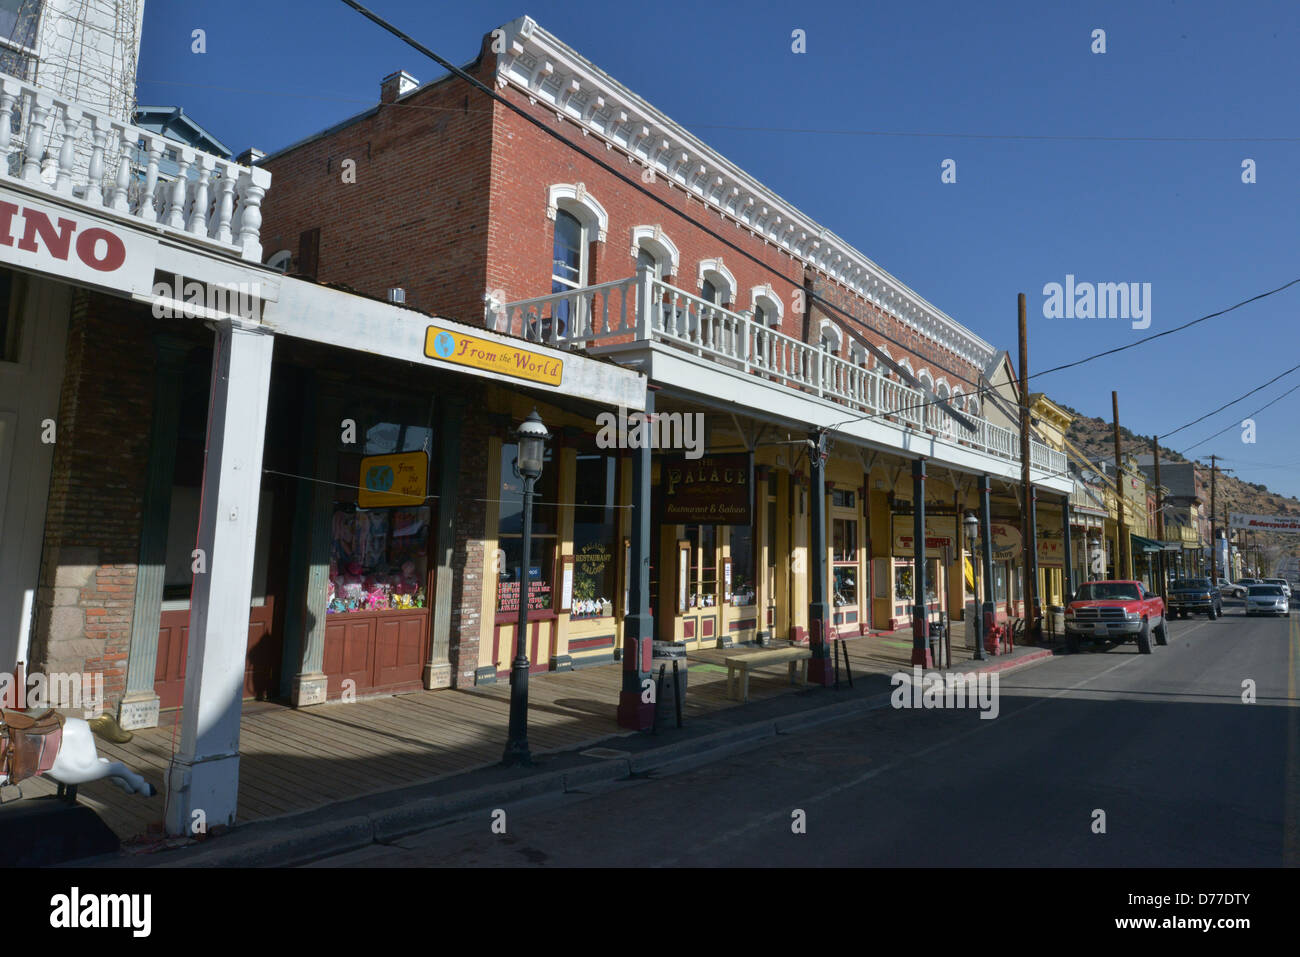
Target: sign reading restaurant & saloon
(460, 349)
(711, 490)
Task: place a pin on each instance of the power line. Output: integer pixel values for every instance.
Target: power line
(1167, 332)
(1233, 402)
(1248, 415)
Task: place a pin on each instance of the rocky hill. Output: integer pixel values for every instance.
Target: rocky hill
(1094, 437)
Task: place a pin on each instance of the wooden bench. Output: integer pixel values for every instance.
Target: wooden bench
(740, 666)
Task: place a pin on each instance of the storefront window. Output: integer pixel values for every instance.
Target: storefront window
(844, 540)
(742, 565)
(510, 531)
(379, 558)
(595, 536)
(704, 569)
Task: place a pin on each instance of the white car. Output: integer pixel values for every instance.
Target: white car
(1267, 599)
(1285, 585)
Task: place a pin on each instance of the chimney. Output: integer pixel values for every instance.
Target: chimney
(395, 85)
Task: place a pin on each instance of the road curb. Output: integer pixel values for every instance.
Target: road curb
(283, 842)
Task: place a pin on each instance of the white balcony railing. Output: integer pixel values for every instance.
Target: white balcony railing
(50, 143)
(614, 311)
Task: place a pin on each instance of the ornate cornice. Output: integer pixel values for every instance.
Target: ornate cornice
(550, 72)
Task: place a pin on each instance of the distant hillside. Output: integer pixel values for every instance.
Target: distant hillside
(1094, 437)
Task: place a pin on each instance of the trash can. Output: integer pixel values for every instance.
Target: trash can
(663, 654)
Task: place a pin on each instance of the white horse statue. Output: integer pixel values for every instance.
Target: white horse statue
(27, 741)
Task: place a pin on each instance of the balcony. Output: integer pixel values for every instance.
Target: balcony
(53, 145)
(612, 313)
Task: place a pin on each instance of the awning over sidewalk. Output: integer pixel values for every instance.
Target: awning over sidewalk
(1147, 545)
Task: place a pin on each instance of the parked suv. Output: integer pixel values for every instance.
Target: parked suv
(1193, 596)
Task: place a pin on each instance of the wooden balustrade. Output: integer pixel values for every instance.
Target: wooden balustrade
(51, 143)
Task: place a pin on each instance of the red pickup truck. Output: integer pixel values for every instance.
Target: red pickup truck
(1123, 610)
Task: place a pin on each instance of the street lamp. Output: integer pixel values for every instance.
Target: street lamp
(971, 524)
(531, 436)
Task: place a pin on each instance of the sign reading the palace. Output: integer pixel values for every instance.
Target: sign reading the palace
(399, 479)
(1268, 523)
(938, 536)
(712, 490)
(460, 349)
(72, 245)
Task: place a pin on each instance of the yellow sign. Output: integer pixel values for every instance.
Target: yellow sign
(458, 348)
(400, 479)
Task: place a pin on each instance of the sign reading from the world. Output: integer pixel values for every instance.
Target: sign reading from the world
(399, 479)
(460, 349)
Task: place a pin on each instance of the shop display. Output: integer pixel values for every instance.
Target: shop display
(378, 559)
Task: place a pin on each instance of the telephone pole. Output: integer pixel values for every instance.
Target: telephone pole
(1160, 519)
(1122, 559)
(1214, 534)
(1032, 627)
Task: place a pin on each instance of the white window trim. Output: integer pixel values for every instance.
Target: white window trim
(576, 200)
(719, 275)
(905, 366)
(926, 379)
(858, 354)
(769, 298)
(656, 242)
(835, 331)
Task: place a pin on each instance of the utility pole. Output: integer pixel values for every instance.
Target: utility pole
(1214, 539)
(1032, 628)
(1122, 559)
(1160, 520)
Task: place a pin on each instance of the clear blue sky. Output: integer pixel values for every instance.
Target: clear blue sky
(1023, 212)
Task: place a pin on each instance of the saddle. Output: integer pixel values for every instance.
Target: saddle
(28, 743)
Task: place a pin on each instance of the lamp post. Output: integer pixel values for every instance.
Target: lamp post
(971, 524)
(531, 436)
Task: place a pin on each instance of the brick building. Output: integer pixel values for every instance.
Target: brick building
(630, 239)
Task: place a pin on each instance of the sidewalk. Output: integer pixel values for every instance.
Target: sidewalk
(338, 776)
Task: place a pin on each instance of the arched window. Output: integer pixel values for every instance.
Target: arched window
(569, 262)
(717, 285)
(655, 251)
(767, 306)
(830, 339)
(579, 221)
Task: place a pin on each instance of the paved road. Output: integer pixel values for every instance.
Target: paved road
(1186, 773)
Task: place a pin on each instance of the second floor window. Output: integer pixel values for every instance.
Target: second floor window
(569, 269)
(710, 292)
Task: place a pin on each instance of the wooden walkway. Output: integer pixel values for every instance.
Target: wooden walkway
(293, 760)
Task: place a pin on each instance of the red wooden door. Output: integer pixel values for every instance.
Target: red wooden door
(261, 663)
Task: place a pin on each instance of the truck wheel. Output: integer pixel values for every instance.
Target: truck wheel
(1144, 638)
(1162, 632)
